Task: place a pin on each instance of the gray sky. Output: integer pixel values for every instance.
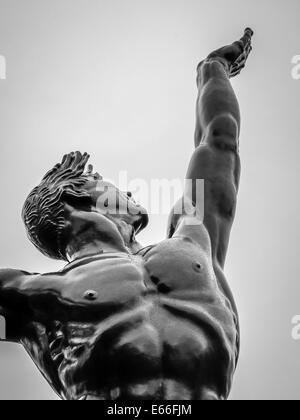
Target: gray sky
(116, 78)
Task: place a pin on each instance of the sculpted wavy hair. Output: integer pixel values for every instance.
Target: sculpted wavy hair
(44, 209)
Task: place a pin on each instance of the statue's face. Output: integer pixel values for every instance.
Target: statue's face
(108, 200)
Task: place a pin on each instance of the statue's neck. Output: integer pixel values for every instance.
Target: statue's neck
(89, 242)
(88, 238)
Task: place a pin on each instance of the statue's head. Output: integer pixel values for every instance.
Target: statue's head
(69, 193)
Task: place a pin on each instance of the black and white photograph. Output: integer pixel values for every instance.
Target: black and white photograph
(150, 209)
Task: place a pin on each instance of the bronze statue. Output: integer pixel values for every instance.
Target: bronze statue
(123, 322)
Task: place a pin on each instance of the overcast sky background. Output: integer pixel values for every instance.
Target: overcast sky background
(116, 78)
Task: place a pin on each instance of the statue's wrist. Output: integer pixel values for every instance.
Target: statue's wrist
(215, 59)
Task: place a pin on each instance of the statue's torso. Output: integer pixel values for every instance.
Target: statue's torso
(150, 326)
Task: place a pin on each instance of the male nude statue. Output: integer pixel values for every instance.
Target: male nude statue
(123, 322)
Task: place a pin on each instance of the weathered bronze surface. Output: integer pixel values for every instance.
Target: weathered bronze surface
(123, 322)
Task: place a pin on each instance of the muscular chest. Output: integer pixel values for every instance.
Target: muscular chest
(175, 267)
(104, 287)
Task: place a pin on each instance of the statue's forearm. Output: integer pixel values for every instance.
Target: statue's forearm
(216, 98)
(218, 113)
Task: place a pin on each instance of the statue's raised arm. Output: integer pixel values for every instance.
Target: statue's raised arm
(216, 158)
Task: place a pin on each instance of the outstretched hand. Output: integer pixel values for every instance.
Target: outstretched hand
(236, 54)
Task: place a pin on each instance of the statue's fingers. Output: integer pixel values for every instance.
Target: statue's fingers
(247, 52)
(237, 68)
(236, 73)
(247, 37)
(240, 59)
(244, 56)
(244, 46)
(248, 48)
(249, 32)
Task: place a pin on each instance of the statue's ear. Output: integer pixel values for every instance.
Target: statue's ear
(69, 210)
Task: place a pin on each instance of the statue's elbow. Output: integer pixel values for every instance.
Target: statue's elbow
(223, 133)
